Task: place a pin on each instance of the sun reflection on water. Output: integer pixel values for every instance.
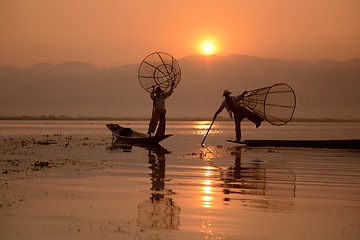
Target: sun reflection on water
(208, 172)
(208, 154)
(201, 128)
(207, 188)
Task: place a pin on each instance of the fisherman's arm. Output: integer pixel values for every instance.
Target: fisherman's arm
(152, 94)
(241, 96)
(222, 106)
(168, 94)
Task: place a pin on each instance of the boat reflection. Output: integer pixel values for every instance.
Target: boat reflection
(159, 211)
(258, 185)
(123, 146)
(119, 147)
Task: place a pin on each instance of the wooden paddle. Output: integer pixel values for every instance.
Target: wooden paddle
(202, 143)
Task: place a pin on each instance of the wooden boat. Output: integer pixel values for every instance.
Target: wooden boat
(333, 144)
(130, 136)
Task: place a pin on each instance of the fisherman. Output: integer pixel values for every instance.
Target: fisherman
(158, 115)
(233, 105)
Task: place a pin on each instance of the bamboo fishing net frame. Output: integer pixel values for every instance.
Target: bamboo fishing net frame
(276, 104)
(159, 69)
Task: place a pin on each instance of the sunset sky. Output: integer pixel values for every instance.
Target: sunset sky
(111, 33)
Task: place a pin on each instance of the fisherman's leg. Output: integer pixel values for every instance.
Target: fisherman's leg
(238, 118)
(162, 124)
(152, 124)
(154, 121)
(253, 117)
(158, 172)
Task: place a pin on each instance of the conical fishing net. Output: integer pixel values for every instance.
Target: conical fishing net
(276, 103)
(159, 69)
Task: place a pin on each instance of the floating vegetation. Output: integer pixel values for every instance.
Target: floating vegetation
(41, 164)
(46, 142)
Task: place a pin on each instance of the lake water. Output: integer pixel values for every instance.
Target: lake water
(185, 191)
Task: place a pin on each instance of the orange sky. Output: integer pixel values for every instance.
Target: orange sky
(117, 32)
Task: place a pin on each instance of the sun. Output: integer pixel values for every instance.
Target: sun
(208, 48)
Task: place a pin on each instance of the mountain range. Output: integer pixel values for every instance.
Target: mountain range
(324, 89)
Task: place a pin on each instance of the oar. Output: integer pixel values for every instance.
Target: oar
(202, 143)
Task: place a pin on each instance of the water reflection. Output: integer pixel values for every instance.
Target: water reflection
(207, 189)
(159, 211)
(119, 147)
(258, 185)
(245, 180)
(201, 127)
(241, 184)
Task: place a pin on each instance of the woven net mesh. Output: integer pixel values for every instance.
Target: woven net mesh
(159, 69)
(276, 104)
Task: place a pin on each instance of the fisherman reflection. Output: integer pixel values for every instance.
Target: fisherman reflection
(274, 187)
(157, 166)
(159, 211)
(249, 180)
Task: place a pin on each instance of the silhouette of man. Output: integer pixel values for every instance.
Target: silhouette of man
(233, 106)
(158, 115)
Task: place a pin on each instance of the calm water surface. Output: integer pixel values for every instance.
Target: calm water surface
(223, 191)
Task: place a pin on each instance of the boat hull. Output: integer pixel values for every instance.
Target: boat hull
(135, 137)
(333, 144)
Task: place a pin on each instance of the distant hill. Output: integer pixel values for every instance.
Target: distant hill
(325, 89)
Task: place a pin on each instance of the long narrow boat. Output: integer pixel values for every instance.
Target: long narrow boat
(130, 136)
(334, 144)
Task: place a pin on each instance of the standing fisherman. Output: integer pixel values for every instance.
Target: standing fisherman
(233, 105)
(158, 96)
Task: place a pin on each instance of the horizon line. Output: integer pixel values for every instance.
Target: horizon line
(192, 55)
